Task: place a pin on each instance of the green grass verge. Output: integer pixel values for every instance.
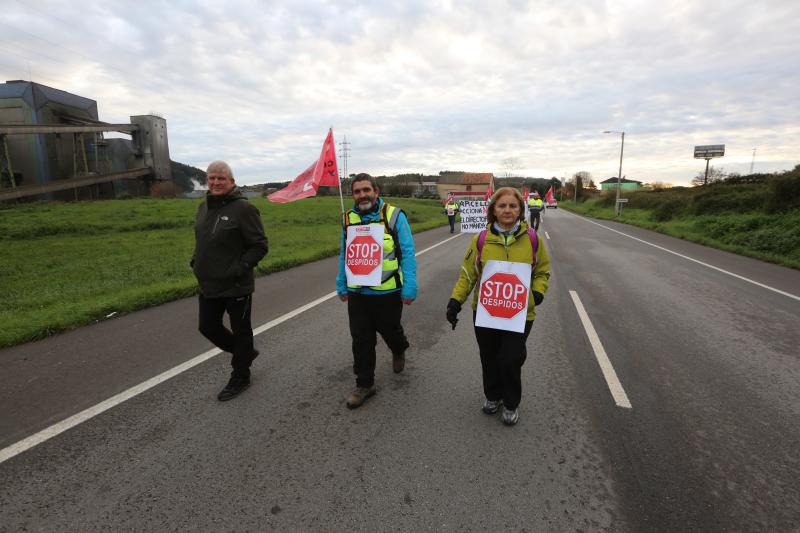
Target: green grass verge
(769, 237)
(67, 265)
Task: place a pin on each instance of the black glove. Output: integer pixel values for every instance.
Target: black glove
(538, 298)
(453, 308)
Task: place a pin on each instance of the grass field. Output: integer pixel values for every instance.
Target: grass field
(66, 265)
(770, 237)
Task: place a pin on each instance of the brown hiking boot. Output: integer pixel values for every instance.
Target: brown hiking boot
(398, 362)
(359, 396)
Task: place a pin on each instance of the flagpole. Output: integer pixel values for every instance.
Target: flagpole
(341, 198)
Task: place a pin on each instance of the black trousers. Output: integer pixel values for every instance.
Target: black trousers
(535, 219)
(452, 220)
(239, 339)
(502, 355)
(369, 315)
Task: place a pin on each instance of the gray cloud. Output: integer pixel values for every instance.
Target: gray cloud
(424, 86)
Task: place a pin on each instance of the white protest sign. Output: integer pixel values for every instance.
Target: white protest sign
(473, 215)
(363, 255)
(503, 295)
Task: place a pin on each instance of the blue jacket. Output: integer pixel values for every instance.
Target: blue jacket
(408, 261)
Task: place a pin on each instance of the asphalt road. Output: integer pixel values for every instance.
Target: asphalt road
(708, 361)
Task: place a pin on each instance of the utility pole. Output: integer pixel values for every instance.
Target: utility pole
(575, 190)
(619, 175)
(753, 161)
(345, 151)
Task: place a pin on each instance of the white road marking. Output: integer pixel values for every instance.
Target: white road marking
(614, 385)
(291, 314)
(91, 412)
(737, 276)
(60, 427)
(547, 235)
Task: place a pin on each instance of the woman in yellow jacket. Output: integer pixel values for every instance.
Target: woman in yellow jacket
(502, 352)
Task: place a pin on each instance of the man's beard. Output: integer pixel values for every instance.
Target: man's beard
(366, 205)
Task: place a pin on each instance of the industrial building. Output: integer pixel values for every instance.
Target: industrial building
(53, 146)
(465, 185)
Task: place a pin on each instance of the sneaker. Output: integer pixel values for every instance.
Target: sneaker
(510, 416)
(398, 362)
(234, 388)
(359, 396)
(490, 407)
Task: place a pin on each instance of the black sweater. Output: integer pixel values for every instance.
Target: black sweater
(229, 242)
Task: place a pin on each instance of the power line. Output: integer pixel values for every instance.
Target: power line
(15, 69)
(51, 58)
(70, 24)
(62, 47)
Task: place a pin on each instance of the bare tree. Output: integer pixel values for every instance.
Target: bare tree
(511, 165)
(580, 180)
(714, 175)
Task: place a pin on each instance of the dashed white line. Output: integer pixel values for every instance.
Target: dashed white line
(60, 427)
(614, 385)
(737, 276)
(547, 235)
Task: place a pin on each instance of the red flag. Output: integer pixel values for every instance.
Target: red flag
(488, 194)
(327, 159)
(526, 193)
(324, 171)
(548, 196)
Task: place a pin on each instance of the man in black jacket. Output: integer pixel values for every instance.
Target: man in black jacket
(229, 242)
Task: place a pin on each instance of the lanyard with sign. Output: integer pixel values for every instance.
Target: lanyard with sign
(503, 295)
(363, 255)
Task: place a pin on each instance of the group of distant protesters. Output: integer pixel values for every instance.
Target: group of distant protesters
(230, 241)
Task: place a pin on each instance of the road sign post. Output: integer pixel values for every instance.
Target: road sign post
(708, 152)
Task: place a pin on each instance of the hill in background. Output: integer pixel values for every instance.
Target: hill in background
(182, 175)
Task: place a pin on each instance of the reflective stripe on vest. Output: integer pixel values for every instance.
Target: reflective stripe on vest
(392, 276)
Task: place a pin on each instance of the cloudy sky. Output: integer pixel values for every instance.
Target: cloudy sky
(424, 86)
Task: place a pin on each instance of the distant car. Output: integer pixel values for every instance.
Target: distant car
(553, 205)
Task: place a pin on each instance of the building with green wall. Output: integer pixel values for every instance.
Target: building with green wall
(625, 184)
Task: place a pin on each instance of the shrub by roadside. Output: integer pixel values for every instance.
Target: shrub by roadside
(758, 218)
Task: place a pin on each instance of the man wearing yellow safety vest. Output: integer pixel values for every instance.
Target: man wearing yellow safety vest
(451, 207)
(378, 308)
(535, 206)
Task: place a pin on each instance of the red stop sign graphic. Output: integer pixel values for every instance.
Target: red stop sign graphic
(364, 255)
(503, 295)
